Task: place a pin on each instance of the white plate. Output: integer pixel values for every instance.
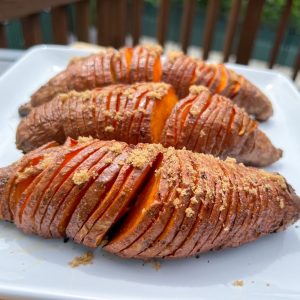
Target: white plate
(31, 267)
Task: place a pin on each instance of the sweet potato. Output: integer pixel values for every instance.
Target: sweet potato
(145, 200)
(149, 112)
(143, 63)
(212, 124)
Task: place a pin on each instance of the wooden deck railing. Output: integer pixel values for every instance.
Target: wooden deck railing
(116, 19)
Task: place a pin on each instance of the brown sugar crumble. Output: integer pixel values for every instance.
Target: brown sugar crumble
(238, 283)
(189, 212)
(85, 259)
(197, 89)
(176, 203)
(139, 157)
(63, 97)
(156, 265)
(109, 129)
(80, 177)
(173, 55)
(84, 139)
(116, 147)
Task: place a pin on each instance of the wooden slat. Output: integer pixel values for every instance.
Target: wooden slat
(296, 65)
(119, 14)
(12, 9)
(209, 27)
(187, 23)
(136, 27)
(31, 30)
(280, 32)
(231, 28)
(3, 42)
(82, 20)
(103, 22)
(59, 17)
(162, 22)
(249, 30)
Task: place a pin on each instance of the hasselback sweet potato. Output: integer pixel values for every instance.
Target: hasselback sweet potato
(210, 123)
(143, 201)
(146, 63)
(150, 113)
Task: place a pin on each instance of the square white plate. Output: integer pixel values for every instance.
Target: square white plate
(31, 267)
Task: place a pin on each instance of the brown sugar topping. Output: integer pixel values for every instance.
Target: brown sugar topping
(140, 157)
(197, 89)
(154, 49)
(189, 212)
(109, 129)
(84, 139)
(63, 97)
(116, 147)
(158, 90)
(176, 202)
(173, 55)
(85, 259)
(80, 177)
(238, 283)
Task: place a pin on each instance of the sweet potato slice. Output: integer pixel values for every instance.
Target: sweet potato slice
(24, 178)
(139, 112)
(206, 111)
(101, 105)
(143, 158)
(204, 74)
(132, 106)
(199, 202)
(219, 202)
(97, 191)
(107, 67)
(98, 211)
(208, 194)
(159, 247)
(31, 211)
(186, 78)
(204, 138)
(146, 246)
(224, 85)
(188, 121)
(214, 135)
(141, 215)
(250, 210)
(225, 208)
(216, 80)
(172, 127)
(116, 209)
(61, 208)
(176, 71)
(191, 211)
(160, 113)
(134, 74)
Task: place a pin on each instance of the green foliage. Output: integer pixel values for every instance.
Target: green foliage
(271, 12)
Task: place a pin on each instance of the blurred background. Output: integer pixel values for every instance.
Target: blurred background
(265, 34)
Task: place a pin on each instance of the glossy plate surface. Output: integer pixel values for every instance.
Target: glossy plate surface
(33, 268)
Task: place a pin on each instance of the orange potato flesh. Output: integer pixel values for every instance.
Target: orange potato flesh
(161, 111)
(139, 218)
(157, 70)
(223, 80)
(128, 56)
